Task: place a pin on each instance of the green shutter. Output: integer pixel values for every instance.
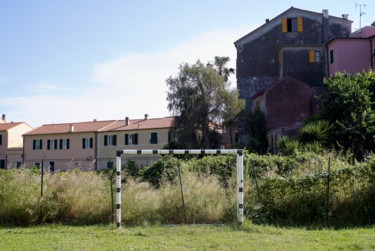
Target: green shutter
(61, 144)
(41, 144)
(67, 143)
(126, 139)
(114, 140)
(1, 140)
(154, 138)
(48, 144)
(105, 140)
(91, 142)
(34, 144)
(83, 143)
(135, 139)
(55, 144)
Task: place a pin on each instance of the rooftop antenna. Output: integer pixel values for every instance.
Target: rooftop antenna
(360, 12)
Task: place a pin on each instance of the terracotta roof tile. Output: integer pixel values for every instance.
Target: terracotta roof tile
(103, 126)
(93, 126)
(140, 124)
(7, 126)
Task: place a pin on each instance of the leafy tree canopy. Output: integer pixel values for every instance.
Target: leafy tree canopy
(197, 96)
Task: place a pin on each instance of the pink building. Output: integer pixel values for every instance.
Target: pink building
(353, 54)
(11, 143)
(92, 145)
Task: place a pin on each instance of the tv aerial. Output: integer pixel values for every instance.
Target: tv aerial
(361, 13)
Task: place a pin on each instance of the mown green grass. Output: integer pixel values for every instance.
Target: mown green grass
(196, 237)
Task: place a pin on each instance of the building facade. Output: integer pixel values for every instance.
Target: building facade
(292, 44)
(353, 54)
(11, 143)
(92, 145)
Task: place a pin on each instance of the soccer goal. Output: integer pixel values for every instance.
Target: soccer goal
(165, 152)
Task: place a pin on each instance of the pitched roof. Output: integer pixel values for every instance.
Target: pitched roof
(7, 126)
(273, 20)
(140, 124)
(92, 126)
(103, 126)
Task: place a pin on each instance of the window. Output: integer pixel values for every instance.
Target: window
(331, 57)
(131, 139)
(110, 140)
(292, 24)
(154, 138)
(52, 144)
(37, 164)
(109, 165)
(87, 143)
(1, 139)
(37, 144)
(52, 166)
(64, 144)
(2, 163)
(18, 164)
(373, 59)
(314, 56)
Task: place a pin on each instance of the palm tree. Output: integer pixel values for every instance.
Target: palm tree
(219, 64)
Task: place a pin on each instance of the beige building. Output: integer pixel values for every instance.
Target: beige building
(93, 145)
(11, 143)
(137, 134)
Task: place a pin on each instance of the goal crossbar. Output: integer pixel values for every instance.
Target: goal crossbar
(239, 189)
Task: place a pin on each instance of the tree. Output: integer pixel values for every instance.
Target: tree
(349, 107)
(256, 125)
(220, 66)
(198, 96)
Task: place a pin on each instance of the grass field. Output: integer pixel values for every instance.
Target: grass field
(201, 237)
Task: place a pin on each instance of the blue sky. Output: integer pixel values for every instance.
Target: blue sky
(76, 60)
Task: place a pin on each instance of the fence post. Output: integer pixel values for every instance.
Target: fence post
(182, 193)
(118, 189)
(256, 182)
(41, 189)
(328, 181)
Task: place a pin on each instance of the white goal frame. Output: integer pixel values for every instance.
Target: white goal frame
(239, 189)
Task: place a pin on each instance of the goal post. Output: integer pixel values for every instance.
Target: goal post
(239, 189)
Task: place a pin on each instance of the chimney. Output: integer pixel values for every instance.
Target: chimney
(267, 20)
(127, 121)
(71, 128)
(4, 118)
(146, 116)
(94, 120)
(325, 27)
(345, 16)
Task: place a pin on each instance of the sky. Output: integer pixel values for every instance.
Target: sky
(65, 61)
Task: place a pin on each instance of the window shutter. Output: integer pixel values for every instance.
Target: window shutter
(284, 25)
(55, 144)
(114, 139)
(1, 140)
(61, 146)
(331, 57)
(67, 143)
(83, 143)
(105, 140)
(91, 142)
(48, 144)
(299, 24)
(41, 144)
(126, 139)
(311, 56)
(34, 144)
(135, 139)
